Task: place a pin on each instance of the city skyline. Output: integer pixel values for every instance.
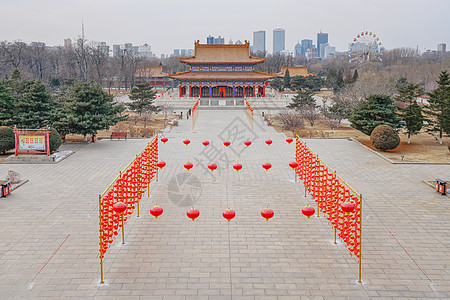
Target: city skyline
(115, 22)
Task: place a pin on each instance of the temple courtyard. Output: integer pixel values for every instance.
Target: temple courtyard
(49, 242)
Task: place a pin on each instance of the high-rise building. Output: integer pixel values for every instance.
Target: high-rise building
(176, 52)
(440, 47)
(306, 44)
(298, 49)
(278, 40)
(328, 51)
(322, 38)
(67, 44)
(103, 48)
(219, 41)
(145, 51)
(117, 51)
(259, 42)
(210, 40)
(183, 53)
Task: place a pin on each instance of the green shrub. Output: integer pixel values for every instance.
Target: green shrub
(55, 140)
(383, 137)
(7, 140)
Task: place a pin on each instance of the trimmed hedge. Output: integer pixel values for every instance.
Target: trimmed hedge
(383, 137)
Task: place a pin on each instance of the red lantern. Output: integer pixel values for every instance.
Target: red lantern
(348, 207)
(268, 142)
(228, 214)
(212, 167)
(293, 164)
(227, 143)
(267, 213)
(119, 207)
(156, 211)
(289, 140)
(205, 143)
(193, 213)
(161, 164)
(308, 211)
(186, 142)
(266, 166)
(237, 167)
(247, 143)
(188, 166)
(164, 140)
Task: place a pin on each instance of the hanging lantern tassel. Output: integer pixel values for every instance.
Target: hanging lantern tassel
(267, 213)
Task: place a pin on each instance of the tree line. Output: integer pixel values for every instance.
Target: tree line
(399, 110)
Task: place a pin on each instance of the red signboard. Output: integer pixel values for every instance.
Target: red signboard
(32, 141)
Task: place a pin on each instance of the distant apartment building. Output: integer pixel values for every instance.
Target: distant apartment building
(190, 52)
(306, 44)
(440, 47)
(176, 52)
(145, 51)
(219, 40)
(67, 44)
(328, 51)
(259, 41)
(210, 40)
(103, 48)
(322, 39)
(183, 52)
(278, 40)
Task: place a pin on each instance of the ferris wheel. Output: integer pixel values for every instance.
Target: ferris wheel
(366, 46)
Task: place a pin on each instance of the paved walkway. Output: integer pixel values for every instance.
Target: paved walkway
(49, 237)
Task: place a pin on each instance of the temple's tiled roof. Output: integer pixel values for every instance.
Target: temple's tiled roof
(295, 71)
(222, 54)
(150, 72)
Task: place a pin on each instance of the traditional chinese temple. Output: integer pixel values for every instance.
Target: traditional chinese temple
(222, 71)
(153, 75)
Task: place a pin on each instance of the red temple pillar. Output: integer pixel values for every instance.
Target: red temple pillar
(190, 90)
(200, 91)
(243, 91)
(180, 90)
(253, 90)
(264, 91)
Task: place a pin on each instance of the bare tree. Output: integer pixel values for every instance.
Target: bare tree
(290, 119)
(166, 109)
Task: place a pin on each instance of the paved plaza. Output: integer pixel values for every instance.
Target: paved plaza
(49, 226)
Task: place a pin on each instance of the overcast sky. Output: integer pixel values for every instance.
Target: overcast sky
(170, 24)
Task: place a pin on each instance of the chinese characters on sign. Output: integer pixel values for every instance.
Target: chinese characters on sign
(32, 142)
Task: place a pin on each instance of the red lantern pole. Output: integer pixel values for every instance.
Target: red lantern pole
(360, 236)
(101, 237)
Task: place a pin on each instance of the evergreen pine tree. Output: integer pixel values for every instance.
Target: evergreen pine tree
(87, 109)
(355, 76)
(339, 82)
(411, 114)
(6, 104)
(142, 95)
(287, 80)
(376, 110)
(439, 106)
(304, 99)
(34, 107)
